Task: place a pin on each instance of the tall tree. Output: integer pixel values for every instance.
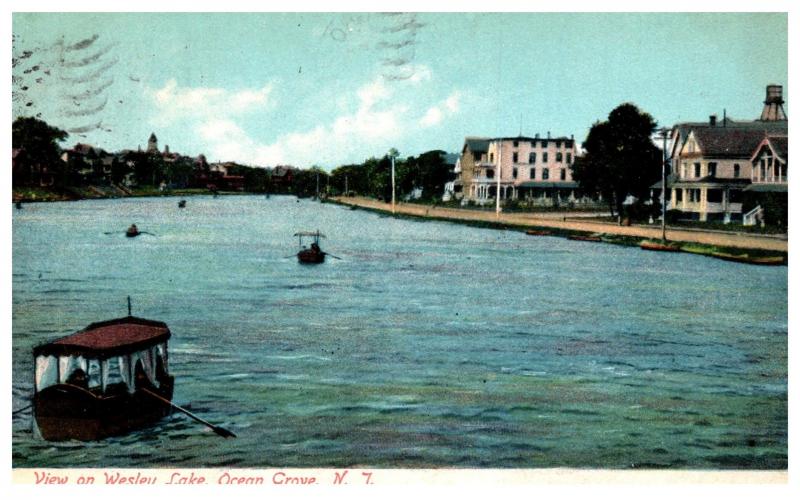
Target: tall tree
(39, 141)
(621, 158)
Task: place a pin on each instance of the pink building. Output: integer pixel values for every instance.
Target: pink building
(529, 168)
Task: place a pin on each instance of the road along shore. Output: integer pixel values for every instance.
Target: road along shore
(532, 221)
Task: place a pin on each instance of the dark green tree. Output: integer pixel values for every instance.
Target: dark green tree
(620, 158)
(39, 142)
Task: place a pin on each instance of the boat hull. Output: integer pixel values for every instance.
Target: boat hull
(310, 257)
(745, 259)
(64, 412)
(658, 247)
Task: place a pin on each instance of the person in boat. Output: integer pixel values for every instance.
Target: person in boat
(78, 378)
(133, 229)
(141, 380)
(315, 248)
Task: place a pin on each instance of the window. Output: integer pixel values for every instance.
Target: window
(714, 196)
(735, 196)
(712, 169)
(514, 173)
(476, 157)
(683, 170)
(491, 157)
(678, 195)
(544, 157)
(559, 157)
(532, 158)
(563, 174)
(569, 158)
(558, 144)
(545, 174)
(516, 144)
(697, 170)
(533, 173)
(543, 144)
(516, 157)
(736, 170)
(489, 173)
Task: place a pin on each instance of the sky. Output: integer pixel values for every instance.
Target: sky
(334, 88)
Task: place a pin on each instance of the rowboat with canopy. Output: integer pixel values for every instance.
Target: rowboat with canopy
(105, 380)
(313, 254)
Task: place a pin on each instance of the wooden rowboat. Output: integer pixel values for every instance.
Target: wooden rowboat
(658, 246)
(581, 237)
(538, 232)
(100, 381)
(746, 259)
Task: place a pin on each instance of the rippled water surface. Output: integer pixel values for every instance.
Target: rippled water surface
(428, 344)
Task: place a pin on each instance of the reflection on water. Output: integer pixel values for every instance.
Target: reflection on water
(429, 344)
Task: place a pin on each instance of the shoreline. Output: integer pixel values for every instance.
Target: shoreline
(694, 241)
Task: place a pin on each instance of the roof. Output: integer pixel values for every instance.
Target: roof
(450, 158)
(477, 144)
(705, 181)
(768, 188)
(108, 338)
(726, 142)
(778, 144)
(767, 127)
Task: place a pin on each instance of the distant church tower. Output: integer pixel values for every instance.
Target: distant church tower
(773, 105)
(152, 144)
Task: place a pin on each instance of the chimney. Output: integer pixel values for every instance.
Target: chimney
(536, 136)
(773, 104)
(548, 134)
(712, 120)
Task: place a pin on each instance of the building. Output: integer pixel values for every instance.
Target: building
(769, 187)
(535, 169)
(712, 162)
(152, 144)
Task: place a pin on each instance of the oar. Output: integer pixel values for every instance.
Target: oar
(219, 430)
(331, 255)
(145, 232)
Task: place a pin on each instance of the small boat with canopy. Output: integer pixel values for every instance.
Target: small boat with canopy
(313, 254)
(105, 380)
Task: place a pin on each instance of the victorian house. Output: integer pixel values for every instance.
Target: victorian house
(713, 162)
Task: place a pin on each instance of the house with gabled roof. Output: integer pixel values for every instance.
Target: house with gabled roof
(712, 162)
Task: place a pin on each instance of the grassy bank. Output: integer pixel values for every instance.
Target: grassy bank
(708, 250)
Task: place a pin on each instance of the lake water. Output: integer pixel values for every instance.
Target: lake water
(428, 344)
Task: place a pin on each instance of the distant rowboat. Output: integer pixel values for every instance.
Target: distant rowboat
(538, 232)
(746, 259)
(659, 247)
(581, 237)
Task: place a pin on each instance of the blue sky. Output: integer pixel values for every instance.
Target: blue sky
(328, 89)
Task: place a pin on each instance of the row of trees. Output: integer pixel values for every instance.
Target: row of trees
(424, 175)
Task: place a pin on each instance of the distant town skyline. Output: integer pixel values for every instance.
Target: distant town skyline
(329, 89)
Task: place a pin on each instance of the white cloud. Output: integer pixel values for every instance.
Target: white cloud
(174, 102)
(432, 117)
(373, 118)
(442, 110)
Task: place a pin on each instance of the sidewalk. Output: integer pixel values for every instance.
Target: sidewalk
(718, 238)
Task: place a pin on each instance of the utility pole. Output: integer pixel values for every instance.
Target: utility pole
(393, 154)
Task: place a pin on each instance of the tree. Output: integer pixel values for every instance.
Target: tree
(39, 141)
(621, 158)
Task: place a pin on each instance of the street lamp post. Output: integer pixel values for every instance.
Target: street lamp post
(499, 166)
(393, 154)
